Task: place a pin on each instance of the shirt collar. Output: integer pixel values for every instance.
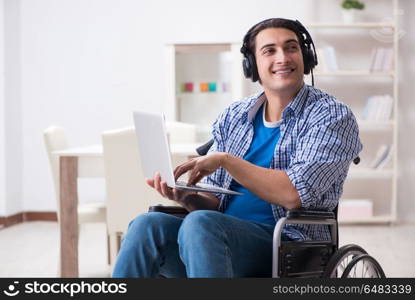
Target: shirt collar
(295, 105)
(255, 106)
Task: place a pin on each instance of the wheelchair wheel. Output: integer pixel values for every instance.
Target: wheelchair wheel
(341, 259)
(363, 266)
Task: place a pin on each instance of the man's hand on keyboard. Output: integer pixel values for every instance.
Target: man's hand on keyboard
(200, 167)
(188, 199)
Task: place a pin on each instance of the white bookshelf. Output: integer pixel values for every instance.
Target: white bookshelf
(367, 173)
(350, 26)
(354, 73)
(377, 219)
(196, 64)
(376, 125)
(378, 185)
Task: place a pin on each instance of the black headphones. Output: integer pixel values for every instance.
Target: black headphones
(306, 43)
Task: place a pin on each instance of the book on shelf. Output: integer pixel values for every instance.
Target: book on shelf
(382, 164)
(378, 108)
(382, 157)
(381, 60)
(327, 60)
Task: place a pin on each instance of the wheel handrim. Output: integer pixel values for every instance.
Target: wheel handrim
(363, 266)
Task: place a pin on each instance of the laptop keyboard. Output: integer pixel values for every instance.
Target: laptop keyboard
(201, 185)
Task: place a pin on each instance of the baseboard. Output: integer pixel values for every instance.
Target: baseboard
(27, 217)
(11, 220)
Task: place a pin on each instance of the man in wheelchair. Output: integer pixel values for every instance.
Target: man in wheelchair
(287, 150)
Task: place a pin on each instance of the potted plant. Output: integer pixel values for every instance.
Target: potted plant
(349, 7)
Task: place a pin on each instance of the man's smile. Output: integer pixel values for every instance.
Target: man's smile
(283, 71)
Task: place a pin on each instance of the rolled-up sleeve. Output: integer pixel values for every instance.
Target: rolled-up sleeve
(323, 155)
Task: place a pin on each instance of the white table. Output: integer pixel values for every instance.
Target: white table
(77, 163)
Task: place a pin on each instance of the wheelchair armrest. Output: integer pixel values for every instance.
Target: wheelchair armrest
(177, 211)
(300, 214)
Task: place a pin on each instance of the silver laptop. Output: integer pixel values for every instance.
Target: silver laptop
(155, 153)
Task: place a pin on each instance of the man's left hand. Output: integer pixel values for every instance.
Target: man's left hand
(200, 167)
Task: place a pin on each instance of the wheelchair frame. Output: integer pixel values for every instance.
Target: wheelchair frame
(282, 257)
(323, 258)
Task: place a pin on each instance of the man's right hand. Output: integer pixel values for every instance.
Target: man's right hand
(188, 199)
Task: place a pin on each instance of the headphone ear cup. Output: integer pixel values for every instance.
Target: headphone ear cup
(246, 68)
(254, 70)
(309, 61)
(249, 67)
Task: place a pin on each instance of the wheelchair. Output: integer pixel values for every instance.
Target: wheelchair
(308, 259)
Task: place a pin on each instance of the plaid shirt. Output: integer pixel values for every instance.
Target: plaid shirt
(319, 139)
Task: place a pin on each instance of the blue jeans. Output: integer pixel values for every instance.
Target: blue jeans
(204, 244)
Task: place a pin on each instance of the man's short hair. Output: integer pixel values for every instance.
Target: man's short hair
(273, 23)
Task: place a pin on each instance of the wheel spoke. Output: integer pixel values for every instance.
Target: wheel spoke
(351, 259)
(365, 268)
(343, 264)
(354, 273)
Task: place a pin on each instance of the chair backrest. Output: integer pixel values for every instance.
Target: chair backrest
(204, 149)
(180, 132)
(55, 140)
(127, 192)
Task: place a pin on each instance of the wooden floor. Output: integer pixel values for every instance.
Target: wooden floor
(31, 249)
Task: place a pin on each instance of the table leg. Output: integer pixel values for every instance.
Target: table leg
(69, 216)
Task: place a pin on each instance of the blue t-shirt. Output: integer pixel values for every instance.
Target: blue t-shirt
(260, 153)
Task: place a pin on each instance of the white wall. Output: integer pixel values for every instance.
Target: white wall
(2, 115)
(87, 64)
(13, 166)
